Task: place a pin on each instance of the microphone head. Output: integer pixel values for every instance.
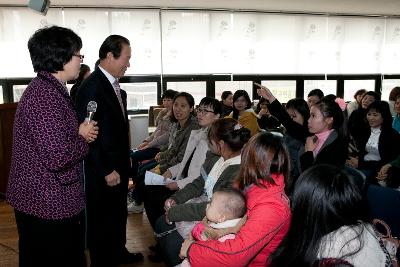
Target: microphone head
(92, 106)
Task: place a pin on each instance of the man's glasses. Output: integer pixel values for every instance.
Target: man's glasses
(81, 57)
(203, 111)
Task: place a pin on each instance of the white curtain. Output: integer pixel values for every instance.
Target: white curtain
(213, 41)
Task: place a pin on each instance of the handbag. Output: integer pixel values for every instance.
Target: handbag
(391, 243)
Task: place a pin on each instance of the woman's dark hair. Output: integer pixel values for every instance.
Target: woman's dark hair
(376, 95)
(113, 44)
(225, 94)
(382, 107)
(394, 93)
(331, 97)
(316, 92)
(263, 155)
(228, 130)
(52, 47)
(325, 198)
(189, 98)
(359, 92)
(84, 69)
(212, 103)
(301, 106)
(236, 95)
(330, 108)
(169, 93)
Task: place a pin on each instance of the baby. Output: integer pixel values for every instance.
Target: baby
(226, 209)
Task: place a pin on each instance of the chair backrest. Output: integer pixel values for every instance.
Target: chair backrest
(152, 115)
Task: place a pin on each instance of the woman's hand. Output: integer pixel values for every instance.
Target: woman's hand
(311, 143)
(382, 174)
(157, 157)
(89, 131)
(263, 112)
(167, 174)
(185, 246)
(264, 92)
(353, 162)
(169, 203)
(172, 186)
(143, 145)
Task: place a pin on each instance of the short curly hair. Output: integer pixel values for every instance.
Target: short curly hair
(52, 47)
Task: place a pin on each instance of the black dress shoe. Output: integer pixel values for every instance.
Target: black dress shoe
(129, 257)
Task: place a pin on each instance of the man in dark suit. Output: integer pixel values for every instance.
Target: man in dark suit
(107, 165)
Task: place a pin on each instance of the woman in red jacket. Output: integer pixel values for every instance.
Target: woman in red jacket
(263, 174)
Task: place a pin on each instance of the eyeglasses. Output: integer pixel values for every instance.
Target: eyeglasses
(203, 111)
(81, 57)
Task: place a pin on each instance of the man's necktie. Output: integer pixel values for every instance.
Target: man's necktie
(117, 89)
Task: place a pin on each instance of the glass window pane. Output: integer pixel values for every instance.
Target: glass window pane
(232, 86)
(282, 90)
(18, 90)
(351, 87)
(387, 86)
(140, 95)
(196, 89)
(1, 95)
(327, 86)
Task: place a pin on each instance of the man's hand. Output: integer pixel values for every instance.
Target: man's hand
(113, 179)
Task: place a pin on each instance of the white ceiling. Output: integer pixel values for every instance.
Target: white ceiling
(365, 7)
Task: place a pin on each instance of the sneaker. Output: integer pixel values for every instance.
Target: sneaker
(135, 208)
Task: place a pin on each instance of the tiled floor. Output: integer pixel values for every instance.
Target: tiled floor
(139, 237)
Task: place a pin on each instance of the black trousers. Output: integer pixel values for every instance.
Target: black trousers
(45, 242)
(170, 244)
(154, 198)
(106, 210)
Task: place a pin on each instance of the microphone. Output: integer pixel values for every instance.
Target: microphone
(91, 109)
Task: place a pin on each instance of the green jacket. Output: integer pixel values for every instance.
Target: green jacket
(174, 154)
(196, 211)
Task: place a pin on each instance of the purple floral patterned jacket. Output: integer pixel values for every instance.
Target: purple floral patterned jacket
(46, 174)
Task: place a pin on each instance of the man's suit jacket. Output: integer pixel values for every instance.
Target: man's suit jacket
(110, 151)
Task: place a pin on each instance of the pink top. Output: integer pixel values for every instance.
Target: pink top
(321, 140)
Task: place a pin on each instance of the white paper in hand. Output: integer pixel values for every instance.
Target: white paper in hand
(151, 178)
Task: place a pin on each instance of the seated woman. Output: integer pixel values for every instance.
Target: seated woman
(354, 105)
(265, 119)
(243, 113)
(357, 124)
(150, 147)
(263, 175)
(188, 169)
(379, 145)
(396, 117)
(329, 222)
(226, 103)
(327, 145)
(226, 141)
(184, 123)
(295, 121)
